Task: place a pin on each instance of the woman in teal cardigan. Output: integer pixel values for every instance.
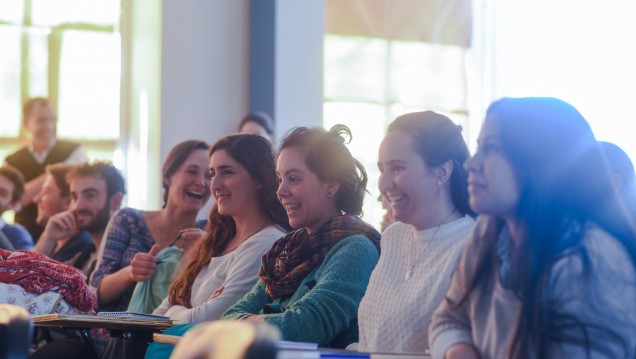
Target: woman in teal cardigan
(312, 280)
(323, 308)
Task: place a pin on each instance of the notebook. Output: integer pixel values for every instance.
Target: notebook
(132, 315)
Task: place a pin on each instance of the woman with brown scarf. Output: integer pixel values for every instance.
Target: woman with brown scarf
(312, 280)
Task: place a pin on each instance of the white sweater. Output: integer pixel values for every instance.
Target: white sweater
(236, 271)
(395, 313)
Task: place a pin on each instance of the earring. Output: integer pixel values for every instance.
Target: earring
(329, 194)
(439, 183)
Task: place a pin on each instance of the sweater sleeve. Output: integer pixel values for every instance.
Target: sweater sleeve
(241, 276)
(451, 323)
(591, 298)
(116, 239)
(251, 303)
(328, 309)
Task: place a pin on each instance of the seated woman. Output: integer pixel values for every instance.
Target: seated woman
(549, 270)
(133, 237)
(312, 280)
(422, 178)
(244, 223)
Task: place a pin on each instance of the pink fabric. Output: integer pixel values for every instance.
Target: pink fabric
(37, 273)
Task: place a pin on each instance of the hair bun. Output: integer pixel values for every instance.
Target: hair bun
(342, 132)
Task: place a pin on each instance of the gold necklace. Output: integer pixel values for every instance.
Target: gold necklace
(409, 256)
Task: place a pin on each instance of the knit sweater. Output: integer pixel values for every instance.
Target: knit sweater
(236, 272)
(395, 312)
(325, 305)
(597, 290)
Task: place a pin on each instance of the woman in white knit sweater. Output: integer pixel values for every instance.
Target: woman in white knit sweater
(422, 177)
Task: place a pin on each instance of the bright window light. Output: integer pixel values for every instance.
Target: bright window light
(583, 52)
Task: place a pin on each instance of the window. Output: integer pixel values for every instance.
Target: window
(370, 81)
(589, 62)
(68, 51)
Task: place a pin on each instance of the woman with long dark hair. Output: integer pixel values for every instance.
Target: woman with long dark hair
(549, 270)
(243, 224)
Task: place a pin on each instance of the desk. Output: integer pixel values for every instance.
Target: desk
(128, 328)
(95, 321)
(311, 354)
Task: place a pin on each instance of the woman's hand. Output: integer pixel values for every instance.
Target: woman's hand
(143, 265)
(461, 351)
(256, 318)
(216, 293)
(189, 236)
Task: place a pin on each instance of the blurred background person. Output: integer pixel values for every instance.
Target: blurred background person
(258, 123)
(40, 121)
(11, 191)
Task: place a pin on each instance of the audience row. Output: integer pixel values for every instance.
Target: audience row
(525, 249)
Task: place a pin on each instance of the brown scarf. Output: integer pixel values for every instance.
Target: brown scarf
(292, 257)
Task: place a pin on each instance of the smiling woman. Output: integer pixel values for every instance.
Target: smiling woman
(312, 280)
(127, 256)
(244, 222)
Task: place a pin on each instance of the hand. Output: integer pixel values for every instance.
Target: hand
(143, 265)
(256, 318)
(216, 293)
(60, 226)
(461, 351)
(189, 236)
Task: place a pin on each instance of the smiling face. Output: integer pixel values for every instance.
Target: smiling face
(492, 184)
(189, 186)
(89, 203)
(41, 123)
(49, 200)
(309, 202)
(406, 181)
(234, 189)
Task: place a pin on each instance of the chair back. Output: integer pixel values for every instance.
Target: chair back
(16, 330)
(224, 339)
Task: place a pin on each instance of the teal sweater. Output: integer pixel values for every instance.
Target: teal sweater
(330, 308)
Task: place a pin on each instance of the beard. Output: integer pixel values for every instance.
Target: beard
(99, 222)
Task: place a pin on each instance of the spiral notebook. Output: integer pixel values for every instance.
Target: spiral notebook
(132, 315)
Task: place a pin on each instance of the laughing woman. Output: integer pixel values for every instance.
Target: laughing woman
(549, 270)
(312, 280)
(421, 176)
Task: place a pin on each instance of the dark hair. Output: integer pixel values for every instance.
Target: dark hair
(327, 156)
(59, 171)
(261, 118)
(31, 103)
(438, 140)
(564, 184)
(176, 157)
(101, 169)
(256, 155)
(16, 177)
(619, 162)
